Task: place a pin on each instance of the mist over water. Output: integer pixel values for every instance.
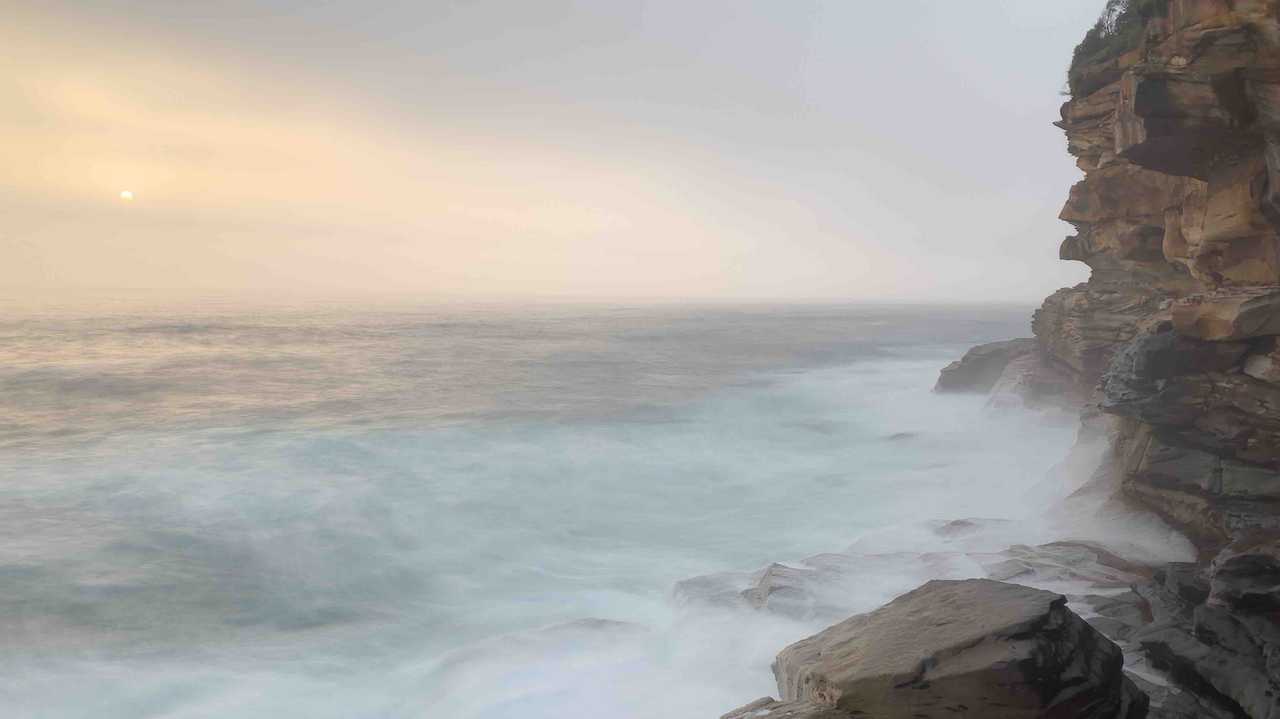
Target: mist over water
(464, 511)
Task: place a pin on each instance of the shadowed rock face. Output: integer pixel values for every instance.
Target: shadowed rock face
(956, 648)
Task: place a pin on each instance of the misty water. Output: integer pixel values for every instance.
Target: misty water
(463, 511)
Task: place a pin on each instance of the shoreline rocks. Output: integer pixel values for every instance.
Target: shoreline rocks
(957, 648)
(981, 367)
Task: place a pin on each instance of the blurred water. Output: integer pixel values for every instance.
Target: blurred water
(457, 510)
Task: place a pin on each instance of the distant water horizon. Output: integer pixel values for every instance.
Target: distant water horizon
(459, 509)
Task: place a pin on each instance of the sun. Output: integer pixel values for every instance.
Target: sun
(126, 195)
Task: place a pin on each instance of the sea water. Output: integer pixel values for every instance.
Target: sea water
(226, 509)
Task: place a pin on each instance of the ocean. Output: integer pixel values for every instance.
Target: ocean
(473, 511)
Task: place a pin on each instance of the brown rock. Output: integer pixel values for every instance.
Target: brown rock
(975, 647)
(1228, 316)
(1079, 328)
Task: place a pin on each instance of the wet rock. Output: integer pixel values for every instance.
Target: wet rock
(1218, 676)
(1060, 563)
(980, 368)
(952, 648)
(1168, 701)
(783, 590)
(1117, 616)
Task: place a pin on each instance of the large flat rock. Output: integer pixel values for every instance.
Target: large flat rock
(976, 648)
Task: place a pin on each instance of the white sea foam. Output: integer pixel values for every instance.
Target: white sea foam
(267, 536)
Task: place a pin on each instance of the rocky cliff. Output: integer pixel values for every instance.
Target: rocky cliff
(1177, 130)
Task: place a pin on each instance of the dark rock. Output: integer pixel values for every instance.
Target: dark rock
(1168, 701)
(1186, 581)
(1246, 576)
(980, 368)
(1217, 675)
(1139, 370)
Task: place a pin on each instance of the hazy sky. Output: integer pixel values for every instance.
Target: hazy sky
(852, 149)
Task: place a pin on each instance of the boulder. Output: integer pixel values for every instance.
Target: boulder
(962, 648)
(981, 367)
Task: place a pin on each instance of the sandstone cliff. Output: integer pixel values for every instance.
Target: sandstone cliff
(1176, 127)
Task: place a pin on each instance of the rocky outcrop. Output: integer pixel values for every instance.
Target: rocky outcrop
(1012, 374)
(1179, 138)
(981, 367)
(957, 648)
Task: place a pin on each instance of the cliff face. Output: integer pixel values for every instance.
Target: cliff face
(1174, 334)
(1178, 216)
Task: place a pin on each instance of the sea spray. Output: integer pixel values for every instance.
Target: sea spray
(470, 512)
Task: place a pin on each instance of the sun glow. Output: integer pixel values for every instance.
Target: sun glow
(126, 195)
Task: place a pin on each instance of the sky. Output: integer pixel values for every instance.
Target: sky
(593, 149)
